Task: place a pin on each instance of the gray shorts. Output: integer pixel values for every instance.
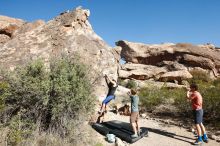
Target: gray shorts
(198, 116)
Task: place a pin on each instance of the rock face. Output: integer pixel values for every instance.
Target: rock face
(140, 71)
(175, 76)
(69, 33)
(173, 61)
(121, 91)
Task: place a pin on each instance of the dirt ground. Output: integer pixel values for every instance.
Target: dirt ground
(160, 134)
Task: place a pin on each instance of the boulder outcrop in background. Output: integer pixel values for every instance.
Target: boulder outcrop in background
(167, 62)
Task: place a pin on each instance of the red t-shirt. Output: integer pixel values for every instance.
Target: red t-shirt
(196, 99)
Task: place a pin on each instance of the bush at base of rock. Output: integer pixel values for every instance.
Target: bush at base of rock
(57, 99)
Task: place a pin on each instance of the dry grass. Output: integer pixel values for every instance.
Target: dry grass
(81, 136)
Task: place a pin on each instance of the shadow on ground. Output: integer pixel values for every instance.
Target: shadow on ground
(171, 135)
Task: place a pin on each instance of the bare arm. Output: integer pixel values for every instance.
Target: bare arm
(110, 80)
(129, 93)
(188, 94)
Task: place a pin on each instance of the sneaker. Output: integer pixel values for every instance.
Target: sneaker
(134, 136)
(205, 138)
(198, 142)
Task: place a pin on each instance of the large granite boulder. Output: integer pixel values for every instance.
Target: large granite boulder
(69, 33)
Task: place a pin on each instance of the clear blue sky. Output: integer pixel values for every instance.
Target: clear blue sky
(147, 21)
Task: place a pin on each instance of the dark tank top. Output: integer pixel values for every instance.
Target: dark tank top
(112, 89)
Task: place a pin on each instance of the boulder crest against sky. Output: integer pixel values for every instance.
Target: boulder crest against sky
(69, 33)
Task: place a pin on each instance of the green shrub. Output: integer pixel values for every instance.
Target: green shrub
(180, 101)
(131, 84)
(3, 91)
(211, 99)
(128, 84)
(210, 91)
(199, 76)
(152, 97)
(122, 82)
(54, 99)
(70, 90)
(216, 83)
(20, 129)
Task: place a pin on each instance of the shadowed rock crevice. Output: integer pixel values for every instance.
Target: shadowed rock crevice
(5, 32)
(153, 60)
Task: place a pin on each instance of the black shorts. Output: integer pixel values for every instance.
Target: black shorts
(198, 116)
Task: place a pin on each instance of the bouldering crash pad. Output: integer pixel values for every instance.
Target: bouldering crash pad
(120, 129)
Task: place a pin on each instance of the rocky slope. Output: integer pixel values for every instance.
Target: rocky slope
(167, 62)
(69, 33)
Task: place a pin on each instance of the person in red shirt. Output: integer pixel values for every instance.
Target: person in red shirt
(196, 100)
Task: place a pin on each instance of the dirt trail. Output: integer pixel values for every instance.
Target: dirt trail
(161, 134)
